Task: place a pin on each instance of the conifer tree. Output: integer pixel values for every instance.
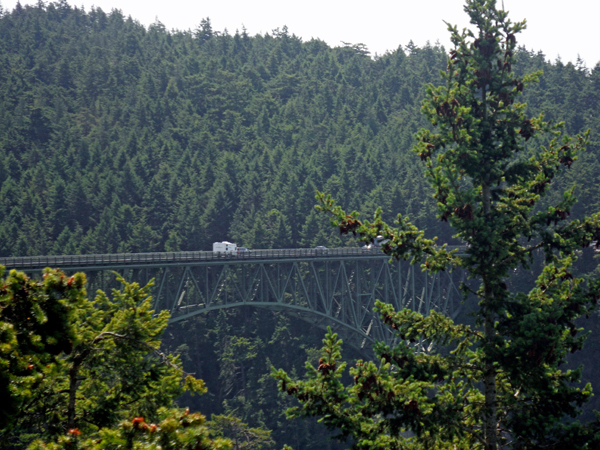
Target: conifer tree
(87, 374)
(502, 382)
(36, 327)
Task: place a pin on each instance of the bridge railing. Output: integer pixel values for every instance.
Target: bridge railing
(326, 287)
(123, 259)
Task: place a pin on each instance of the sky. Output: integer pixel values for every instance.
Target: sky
(565, 29)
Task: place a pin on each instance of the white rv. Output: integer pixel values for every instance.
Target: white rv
(224, 247)
(377, 243)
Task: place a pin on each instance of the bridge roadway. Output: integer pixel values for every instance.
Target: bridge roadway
(335, 287)
(116, 261)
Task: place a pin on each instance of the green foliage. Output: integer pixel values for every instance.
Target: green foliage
(175, 430)
(176, 140)
(137, 139)
(119, 137)
(239, 433)
(381, 403)
(73, 369)
(37, 324)
(502, 382)
(233, 351)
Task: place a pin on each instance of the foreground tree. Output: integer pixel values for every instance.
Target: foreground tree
(36, 326)
(500, 383)
(87, 374)
(175, 430)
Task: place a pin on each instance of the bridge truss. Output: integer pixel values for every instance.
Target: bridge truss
(336, 288)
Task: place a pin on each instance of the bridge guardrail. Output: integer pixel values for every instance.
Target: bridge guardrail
(111, 259)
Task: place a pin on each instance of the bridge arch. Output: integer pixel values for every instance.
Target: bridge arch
(338, 287)
(357, 338)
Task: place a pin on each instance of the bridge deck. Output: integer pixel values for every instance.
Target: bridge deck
(133, 260)
(327, 287)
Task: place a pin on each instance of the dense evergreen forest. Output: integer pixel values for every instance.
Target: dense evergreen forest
(119, 138)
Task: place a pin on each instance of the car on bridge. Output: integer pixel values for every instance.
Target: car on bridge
(321, 250)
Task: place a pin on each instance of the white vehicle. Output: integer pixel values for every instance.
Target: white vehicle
(226, 248)
(377, 243)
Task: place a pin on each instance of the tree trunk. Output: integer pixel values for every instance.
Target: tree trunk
(489, 380)
(73, 373)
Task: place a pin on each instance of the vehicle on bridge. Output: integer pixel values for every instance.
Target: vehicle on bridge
(377, 243)
(226, 248)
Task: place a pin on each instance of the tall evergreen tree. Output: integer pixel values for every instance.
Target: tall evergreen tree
(502, 382)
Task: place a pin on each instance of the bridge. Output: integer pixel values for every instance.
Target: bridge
(326, 287)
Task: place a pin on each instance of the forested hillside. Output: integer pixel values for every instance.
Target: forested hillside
(119, 138)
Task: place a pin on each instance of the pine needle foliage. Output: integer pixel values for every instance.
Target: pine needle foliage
(81, 374)
(501, 383)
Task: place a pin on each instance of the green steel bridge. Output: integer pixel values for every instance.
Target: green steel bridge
(325, 287)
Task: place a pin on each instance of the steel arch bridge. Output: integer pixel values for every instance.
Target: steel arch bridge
(330, 287)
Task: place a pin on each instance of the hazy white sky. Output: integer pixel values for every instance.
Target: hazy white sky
(565, 28)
